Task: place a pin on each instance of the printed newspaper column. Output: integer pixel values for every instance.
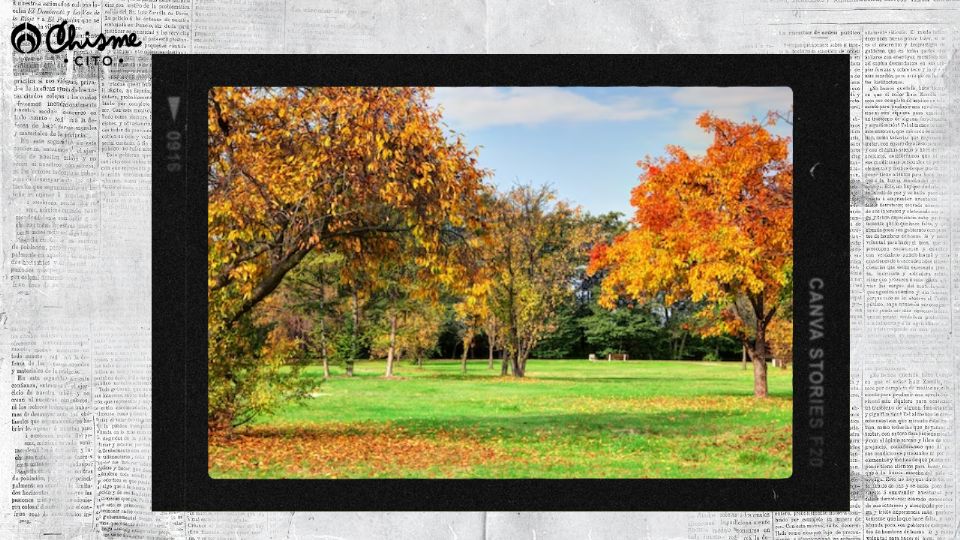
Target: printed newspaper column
(50, 220)
(908, 375)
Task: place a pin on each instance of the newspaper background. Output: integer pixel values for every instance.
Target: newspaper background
(75, 251)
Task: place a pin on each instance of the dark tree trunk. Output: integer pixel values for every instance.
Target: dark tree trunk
(519, 366)
(760, 364)
(759, 352)
(272, 280)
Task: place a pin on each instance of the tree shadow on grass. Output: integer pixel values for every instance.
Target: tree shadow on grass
(670, 424)
(533, 377)
(613, 424)
(531, 382)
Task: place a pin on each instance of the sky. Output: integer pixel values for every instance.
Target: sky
(585, 142)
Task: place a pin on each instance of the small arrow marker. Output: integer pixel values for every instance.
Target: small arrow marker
(174, 102)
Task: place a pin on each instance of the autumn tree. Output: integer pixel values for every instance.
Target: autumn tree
(716, 229)
(473, 312)
(342, 170)
(419, 334)
(535, 247)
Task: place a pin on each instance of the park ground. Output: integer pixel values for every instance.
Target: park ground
(566, 419)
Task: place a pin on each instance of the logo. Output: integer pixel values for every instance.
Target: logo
(25, 38)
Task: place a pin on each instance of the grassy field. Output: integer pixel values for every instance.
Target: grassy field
(567, 419)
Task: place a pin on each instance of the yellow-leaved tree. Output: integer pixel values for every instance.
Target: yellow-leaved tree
(365, 172)
(533, 253)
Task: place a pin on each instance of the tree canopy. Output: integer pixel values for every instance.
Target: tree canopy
(715, 228)
(365, 172)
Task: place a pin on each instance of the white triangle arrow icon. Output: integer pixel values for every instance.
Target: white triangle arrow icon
(174, 102)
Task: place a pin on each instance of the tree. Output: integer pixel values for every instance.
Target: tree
(265, 361)
(491, 328)
(624, 329)
(473, 310)
(419, 334)
(312, 291)
(349, 170)
(715, 228)
(398, 289)
(535, 246)
(566, 334)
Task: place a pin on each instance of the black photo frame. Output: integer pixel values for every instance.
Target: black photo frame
(821, 135)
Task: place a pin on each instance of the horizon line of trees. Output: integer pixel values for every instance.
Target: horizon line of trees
(428, 329)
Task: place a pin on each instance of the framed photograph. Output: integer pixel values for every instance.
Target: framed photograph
(501, 282)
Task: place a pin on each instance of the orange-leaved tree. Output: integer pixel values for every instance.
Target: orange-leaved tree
(715, 228)
(361, 171)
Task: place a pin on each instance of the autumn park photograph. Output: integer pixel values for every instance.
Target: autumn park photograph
(499, 282)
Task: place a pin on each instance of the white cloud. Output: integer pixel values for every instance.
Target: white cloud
(734, 97)
(471, 108)
(740, 103)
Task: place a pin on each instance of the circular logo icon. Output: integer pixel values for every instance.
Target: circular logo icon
(25, 38)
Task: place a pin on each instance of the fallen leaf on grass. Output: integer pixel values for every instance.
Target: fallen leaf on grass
(346, 451)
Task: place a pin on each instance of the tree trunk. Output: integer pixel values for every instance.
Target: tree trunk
(270, 282)
(504, 364)
(518, 366)
(323, 348)
(683, 341)
(490, 355)
(759, 353)
(760, 364)
(743, 358)
(393, 344)
(355, 347)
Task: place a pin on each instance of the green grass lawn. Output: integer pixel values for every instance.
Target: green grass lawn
(566, 419)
